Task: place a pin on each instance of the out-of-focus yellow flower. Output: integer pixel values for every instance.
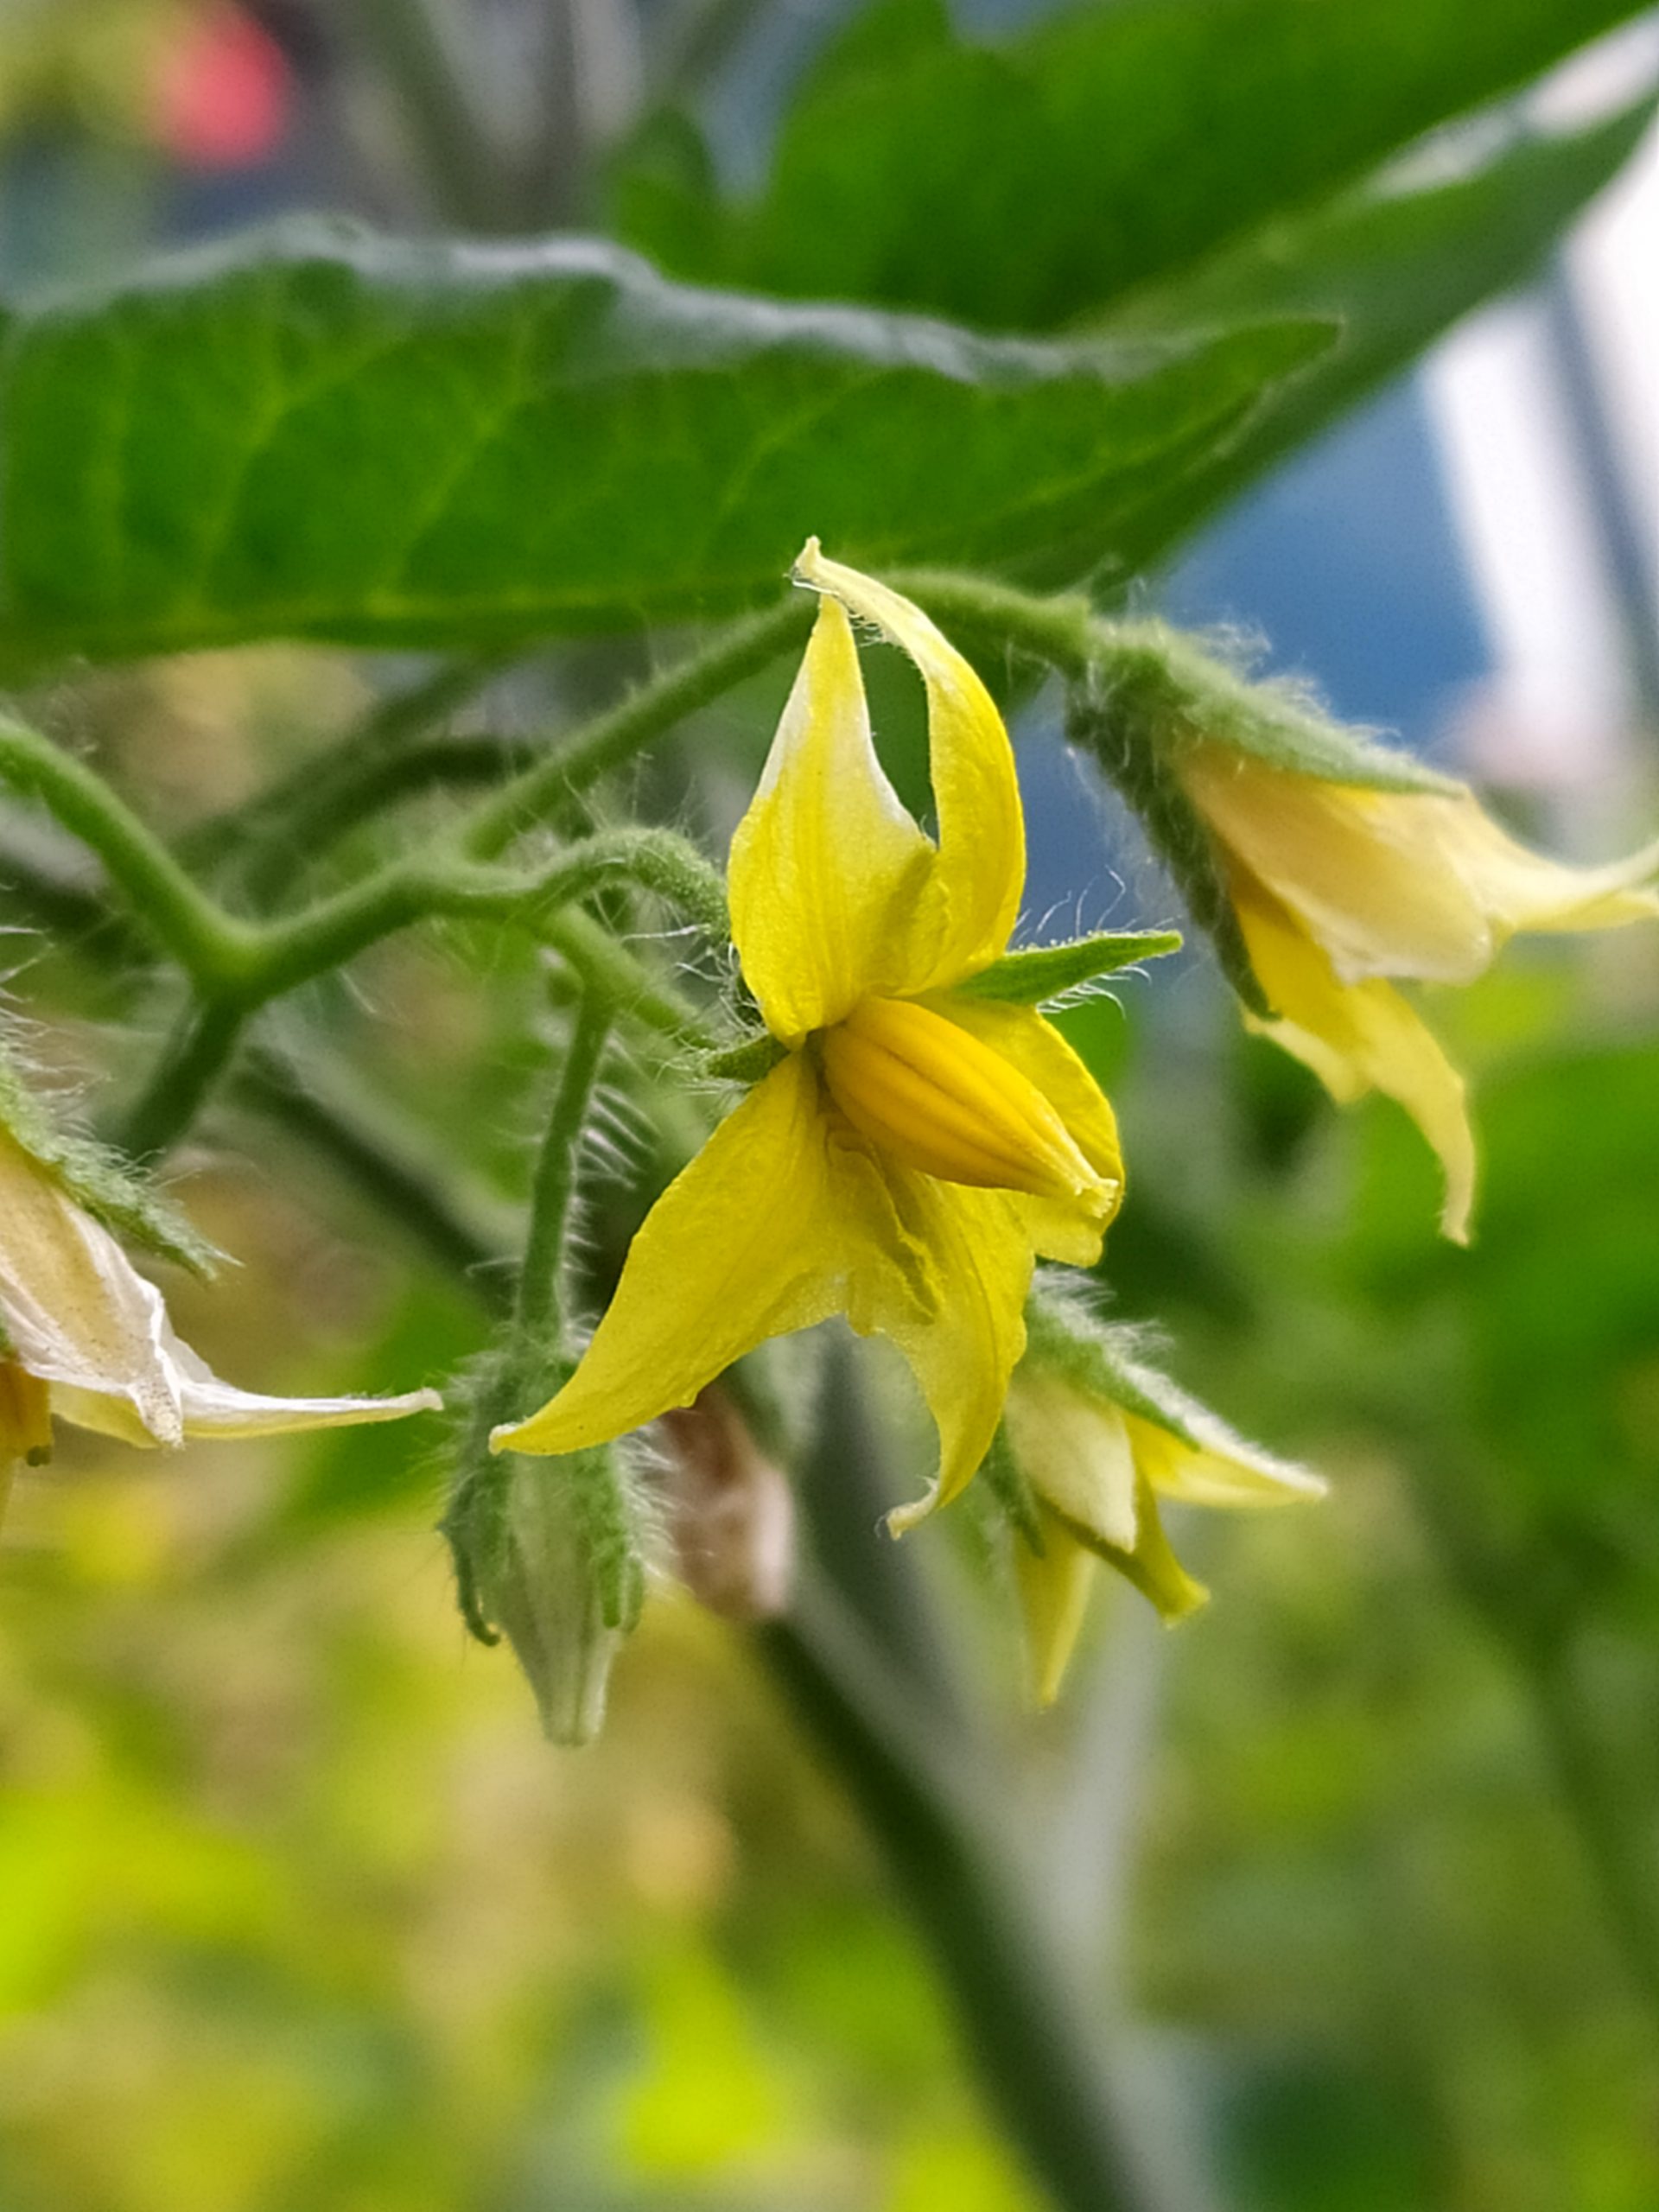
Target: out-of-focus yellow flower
(84, 1336)
(912, 1149)
(1096, 1469)
(1338, 887)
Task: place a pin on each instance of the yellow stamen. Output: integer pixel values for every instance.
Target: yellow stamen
(923, 1090)
(25, 1417)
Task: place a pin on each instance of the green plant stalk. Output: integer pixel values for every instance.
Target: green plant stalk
(326, 936)
(539, 1309)
(1620, 1856)
(209, 944)
(1530, 1624)
(612, 970)
(615, 737)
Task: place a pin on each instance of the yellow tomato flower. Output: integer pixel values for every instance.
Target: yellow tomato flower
(1338, 887)
(84, 1336)
(1097, 1470)
(914, 1149)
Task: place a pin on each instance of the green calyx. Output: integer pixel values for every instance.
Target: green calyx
(1005, 1478)
(98, 1180)
(1150, 695)
(1039, 974)
(1120, 739)
(1175, 691)
(546, 1551)
(1103, 1362)
(745, 1062)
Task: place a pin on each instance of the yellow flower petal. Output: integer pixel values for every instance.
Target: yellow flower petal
(1358, 1036)
(743, 1244)
(1060, 1230)
(212, 1408)
(1077, 1452)
(73, 1307)
(25, 1419)
(1055, 1587)
(1219, 1468)
(1358, 867)
(827, 868)
(964, 1334)
(1522, 890)
(780, 1222)
(79, 1316)
(969, 905)
(1080, 1455)
(1401, 883)
(1152, 1565)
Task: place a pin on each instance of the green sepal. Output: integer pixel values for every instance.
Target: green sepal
(1117, 729)
(1155, 695)
(1038, 975)
(742, 1063)
(1005, 1478)
(98, 1180)
(1106, 1360)
(547, 1552)
(1178, 692)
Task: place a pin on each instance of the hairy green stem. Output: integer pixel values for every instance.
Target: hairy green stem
(207, 943)
(612, 970)
(617, 735)
(288, 953)
(539, 1311)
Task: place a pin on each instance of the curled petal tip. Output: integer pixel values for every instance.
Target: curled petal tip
(904, 1518)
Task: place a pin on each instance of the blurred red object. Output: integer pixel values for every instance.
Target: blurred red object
(223, 94)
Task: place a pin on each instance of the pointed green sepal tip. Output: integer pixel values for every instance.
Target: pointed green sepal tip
(1038, 975)
(742, 1063)
(100, 1181)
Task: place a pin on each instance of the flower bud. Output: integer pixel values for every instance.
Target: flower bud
(553, 1565)
(731, 1517)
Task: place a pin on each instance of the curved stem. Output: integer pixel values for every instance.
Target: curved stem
(627, 728)
(207, 943)
(288, 953)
